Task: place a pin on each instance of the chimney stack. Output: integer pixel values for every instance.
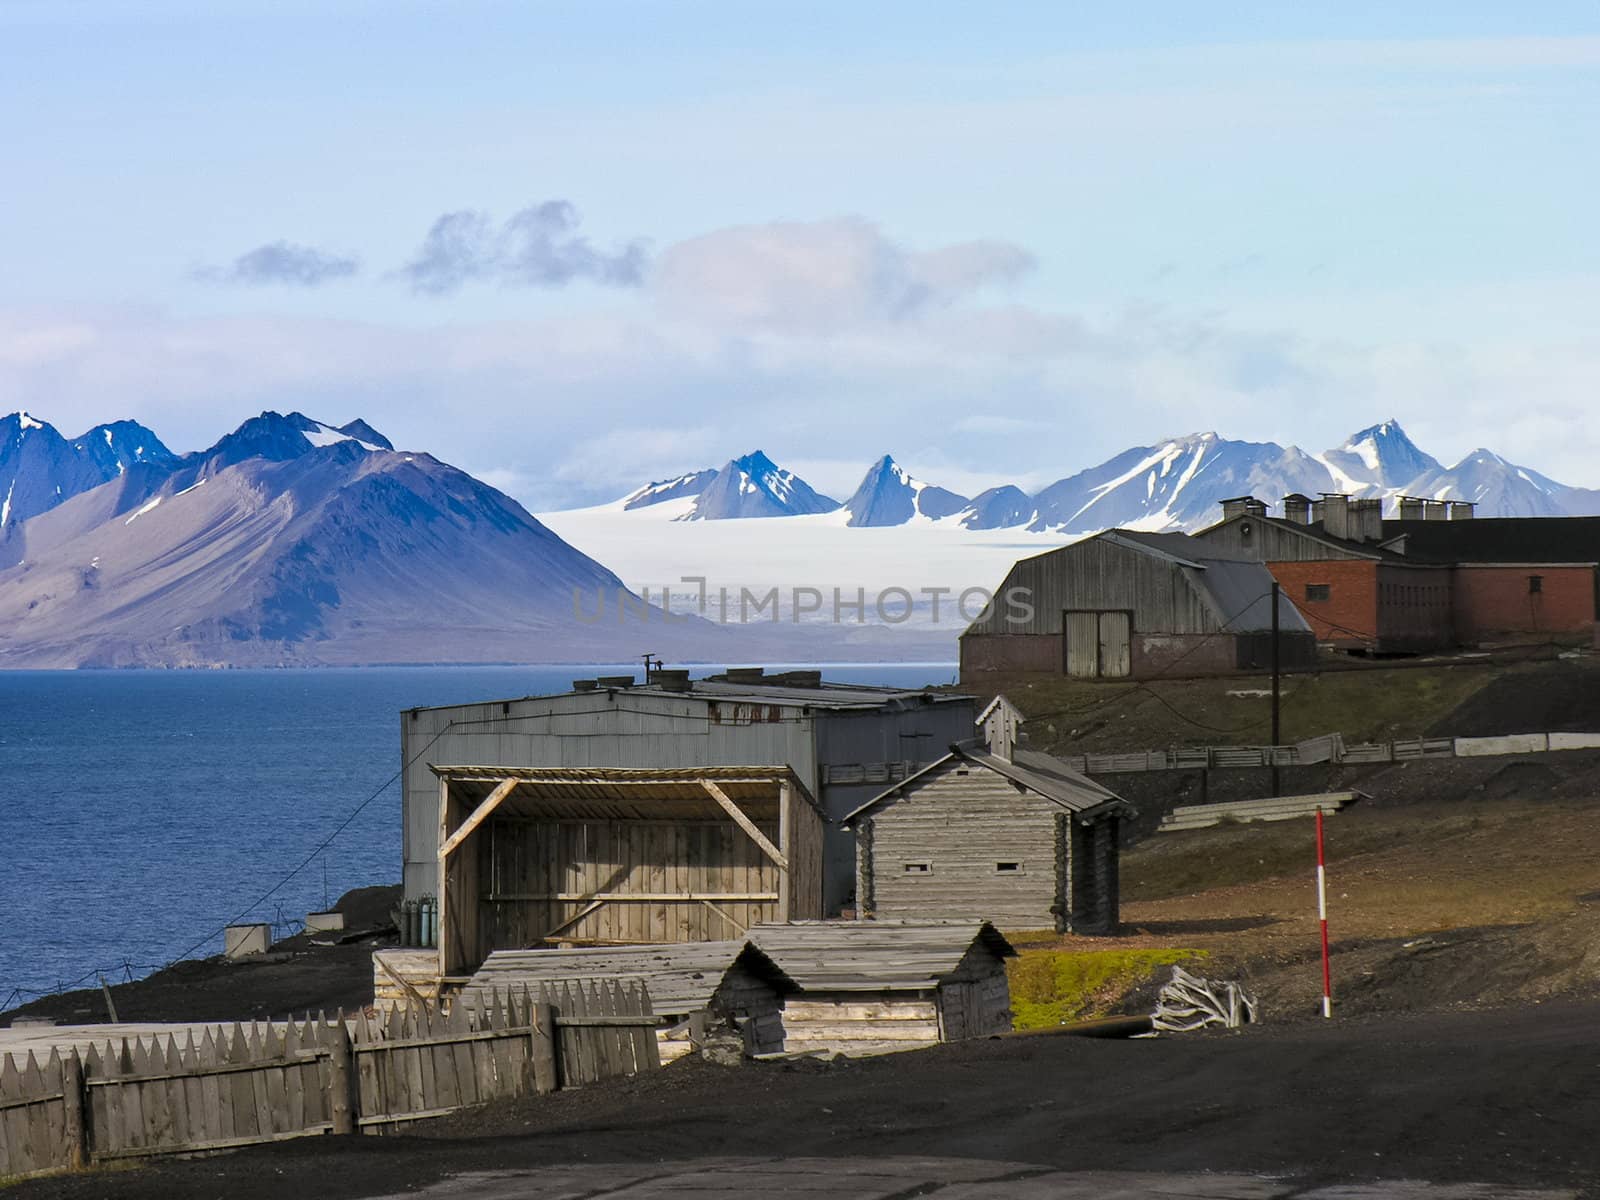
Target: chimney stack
(1412, 508)
(1366, 520)
(1241, 506)
(1297, 509)
(1435, 510)
(1000, 723)
(1462, 510)
(1335, 514)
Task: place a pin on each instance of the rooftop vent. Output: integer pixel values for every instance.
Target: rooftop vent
(671, 681)
(797, 679)
(584, 685)
(615, 681)
(744, 674)
(1297, 509)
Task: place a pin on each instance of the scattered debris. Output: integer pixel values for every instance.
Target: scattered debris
(1188, 1002)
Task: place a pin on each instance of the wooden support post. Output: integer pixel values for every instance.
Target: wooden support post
(786, 844)
(343, 1104)
(544, 1048)
(75, 1128)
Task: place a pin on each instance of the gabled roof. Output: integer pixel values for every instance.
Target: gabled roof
(1042, 774)
(871, 956)
(681, 977)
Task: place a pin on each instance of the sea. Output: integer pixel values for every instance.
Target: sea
(142, 811)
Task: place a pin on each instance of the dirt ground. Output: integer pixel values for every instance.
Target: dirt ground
(1503, 1096)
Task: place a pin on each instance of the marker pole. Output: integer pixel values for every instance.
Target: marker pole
(1322, 919)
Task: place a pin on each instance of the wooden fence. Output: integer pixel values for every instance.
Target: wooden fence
(1330, 748)
(241, 1086)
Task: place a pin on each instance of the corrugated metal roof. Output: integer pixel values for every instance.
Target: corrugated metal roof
(831, 696)
(681, 977)
(872, 956)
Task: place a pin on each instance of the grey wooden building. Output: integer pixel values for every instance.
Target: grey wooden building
(873, 987)
(993, 832)
(843, 742)
(695, 988)
(1129, 605)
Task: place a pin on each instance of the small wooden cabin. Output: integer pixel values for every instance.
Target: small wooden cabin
(874, 987)
(536, 855)
(695, 988)
(996, 833)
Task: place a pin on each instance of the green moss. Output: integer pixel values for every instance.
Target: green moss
(1052, 987)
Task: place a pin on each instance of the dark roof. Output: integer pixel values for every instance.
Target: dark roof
(1500, 539)
(832, 696)
(1043, 774)
(871, 956)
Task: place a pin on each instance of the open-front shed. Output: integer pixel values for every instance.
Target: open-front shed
(696, 988)
(872, 987)
(534, 855)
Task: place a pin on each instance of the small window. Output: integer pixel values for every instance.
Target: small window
(1535, 584)
(1008, 868)
(1318, 591)
(919, 868)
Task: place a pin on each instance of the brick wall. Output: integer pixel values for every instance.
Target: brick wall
(1415, 608)
(1010, 652)
(1495, 601)
(1349, 616)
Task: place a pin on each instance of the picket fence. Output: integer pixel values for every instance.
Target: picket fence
(244, 1085)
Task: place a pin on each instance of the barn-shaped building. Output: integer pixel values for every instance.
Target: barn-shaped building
(993, 832)
(873, 987)
(1129, 605)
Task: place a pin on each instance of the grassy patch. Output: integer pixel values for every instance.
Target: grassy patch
(1051, 987)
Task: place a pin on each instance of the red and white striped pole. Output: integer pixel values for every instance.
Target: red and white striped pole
(1322, 918)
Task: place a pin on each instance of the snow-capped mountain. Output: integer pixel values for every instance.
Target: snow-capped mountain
(755, 486)
(1503, 489)
(663, 490)
(40, 469)
(295, 542)
(1002, 507)
(889, 496)
(1380, 456)
(1174, 485)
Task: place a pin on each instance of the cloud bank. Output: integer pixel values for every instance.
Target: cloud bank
(283, 263)
(536, 247)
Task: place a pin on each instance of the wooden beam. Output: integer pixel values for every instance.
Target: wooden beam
(571, 921)
(415, 995)
(786, 840)
(479, 816)
(625, 897)
(743, 929)
(746, 824)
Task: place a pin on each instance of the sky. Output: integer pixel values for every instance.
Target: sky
(571, 247)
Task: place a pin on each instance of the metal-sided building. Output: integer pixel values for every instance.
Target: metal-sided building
(993, 832)
(843, 742)
(1125, 604)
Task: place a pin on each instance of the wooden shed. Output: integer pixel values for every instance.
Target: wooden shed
(993, 832)
(874, 987)
(695, 988)
(535, 855)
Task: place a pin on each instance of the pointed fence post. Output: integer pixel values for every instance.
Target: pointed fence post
(75, 1128)
(342, 1102)
(544, 1047)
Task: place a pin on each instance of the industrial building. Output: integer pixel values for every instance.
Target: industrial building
(1436, 577)
(1130, 605)
(840, 743)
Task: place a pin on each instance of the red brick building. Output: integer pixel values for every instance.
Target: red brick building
(1420, 584)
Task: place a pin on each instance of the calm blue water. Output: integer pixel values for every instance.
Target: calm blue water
(140, 811)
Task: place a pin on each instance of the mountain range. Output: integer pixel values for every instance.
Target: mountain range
(1175, 484)
(288, 542)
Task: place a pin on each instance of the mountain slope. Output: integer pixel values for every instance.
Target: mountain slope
(1380, 456)
(889, 496)
(321, 548)
(755, 486)
(40, 469)
(663, 490)
(1502, 489)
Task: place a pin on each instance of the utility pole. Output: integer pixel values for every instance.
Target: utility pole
(1275, 730)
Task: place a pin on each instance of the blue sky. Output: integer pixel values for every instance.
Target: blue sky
(1001, 244)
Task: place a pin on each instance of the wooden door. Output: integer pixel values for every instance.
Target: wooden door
(1115, 658)
(1082, 630)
